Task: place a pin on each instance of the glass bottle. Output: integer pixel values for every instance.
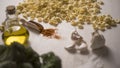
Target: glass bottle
(13, 30)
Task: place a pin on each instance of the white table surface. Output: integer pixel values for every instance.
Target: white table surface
(43, 45)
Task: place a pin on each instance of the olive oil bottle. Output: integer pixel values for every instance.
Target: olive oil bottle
(13, 30)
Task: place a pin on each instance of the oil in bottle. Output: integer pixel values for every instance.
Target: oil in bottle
(13, 30)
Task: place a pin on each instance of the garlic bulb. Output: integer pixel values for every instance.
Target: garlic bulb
(97, 41)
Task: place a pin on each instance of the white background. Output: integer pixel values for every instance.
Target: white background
(44, 45)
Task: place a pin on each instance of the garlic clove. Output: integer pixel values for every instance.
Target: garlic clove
(70, 47)
(82, 47)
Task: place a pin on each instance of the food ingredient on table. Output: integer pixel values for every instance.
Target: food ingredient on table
(83, 47)
(50, 60)
(78, 42)
(34, 25)
(98, 40)
(13, 30)
(18, 56)
(50, 32)
(76, 12)
(77, 39)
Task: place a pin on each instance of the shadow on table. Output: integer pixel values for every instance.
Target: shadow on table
(108, 55)
(73, 51)
(86, 52)
(103, 52)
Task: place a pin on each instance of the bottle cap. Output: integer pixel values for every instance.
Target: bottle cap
(10, 9)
